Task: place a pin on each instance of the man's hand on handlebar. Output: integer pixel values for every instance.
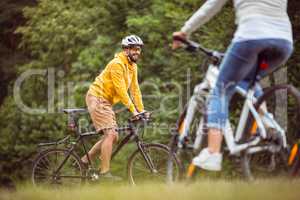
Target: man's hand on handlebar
(135, 113)
(142, 115)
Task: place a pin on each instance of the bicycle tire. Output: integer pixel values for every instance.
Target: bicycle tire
(49, 160)
(173, 152)
(267, 164)
(138, 170)
(194, 142)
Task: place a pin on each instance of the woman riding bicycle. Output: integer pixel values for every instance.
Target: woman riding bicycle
(263, 31)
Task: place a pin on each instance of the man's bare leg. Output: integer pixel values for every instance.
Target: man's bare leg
(95, 150)
(106, 150)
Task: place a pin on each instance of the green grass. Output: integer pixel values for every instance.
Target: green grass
(206, 189)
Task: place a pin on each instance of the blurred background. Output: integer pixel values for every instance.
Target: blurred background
(66, 44)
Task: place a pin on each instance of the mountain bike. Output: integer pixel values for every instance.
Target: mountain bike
(58, 165)
(265, 142)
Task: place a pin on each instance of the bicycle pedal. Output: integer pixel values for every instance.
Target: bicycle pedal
(94, 177)
(93, 174)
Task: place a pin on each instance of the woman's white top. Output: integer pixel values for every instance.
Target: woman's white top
(256, 19)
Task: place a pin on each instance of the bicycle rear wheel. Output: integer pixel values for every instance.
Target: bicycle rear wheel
(283, 101)
(45, 168)
(139, 170)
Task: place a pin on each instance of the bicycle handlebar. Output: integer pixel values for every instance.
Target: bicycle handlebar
(194, 47)
(143, 116)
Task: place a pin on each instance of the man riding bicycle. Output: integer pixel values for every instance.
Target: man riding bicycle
(109, 88)
(264, 30)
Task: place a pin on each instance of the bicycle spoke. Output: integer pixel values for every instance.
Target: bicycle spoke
(282, 104)
(45, 162)
(45, 169)
(139, 169)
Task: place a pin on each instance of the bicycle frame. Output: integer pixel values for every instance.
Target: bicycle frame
(80, 138)
(231, 139)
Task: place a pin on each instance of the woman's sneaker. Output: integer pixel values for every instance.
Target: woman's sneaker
(208, 161)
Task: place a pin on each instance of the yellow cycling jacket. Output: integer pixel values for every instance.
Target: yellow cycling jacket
(114, 81)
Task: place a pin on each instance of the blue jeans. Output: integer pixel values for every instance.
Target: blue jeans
(239, 66)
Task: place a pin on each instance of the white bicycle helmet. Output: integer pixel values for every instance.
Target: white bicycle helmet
(132, 40)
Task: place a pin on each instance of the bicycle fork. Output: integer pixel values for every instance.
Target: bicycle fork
(146, 157)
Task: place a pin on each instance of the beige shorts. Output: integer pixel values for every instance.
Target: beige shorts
(102, 114)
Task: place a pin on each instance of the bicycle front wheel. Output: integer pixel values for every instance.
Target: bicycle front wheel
(191, 131)
(151, 164)
(57, 167)
(283, 101)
